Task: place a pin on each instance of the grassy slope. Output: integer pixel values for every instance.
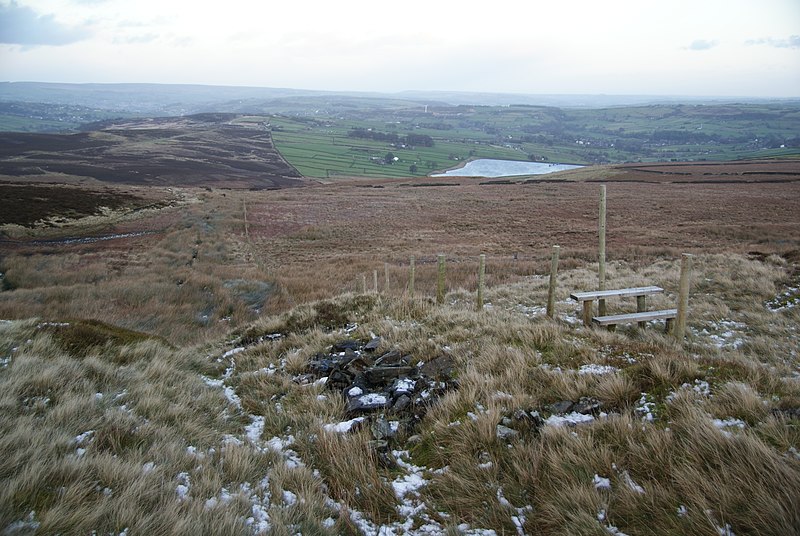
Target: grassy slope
(127, 432)
(320, 147)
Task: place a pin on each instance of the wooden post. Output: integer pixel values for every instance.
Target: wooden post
(363, 284)
(551, 293)
(411, 278)
(641, 306)
(386, 277)
(440, 281)
(601, 307)
(587, 312)
(481, 278)
(375, 280)
(683, 296)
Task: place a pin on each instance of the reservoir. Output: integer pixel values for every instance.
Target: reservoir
(486, 167)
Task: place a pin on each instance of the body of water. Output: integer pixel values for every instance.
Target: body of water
(486, 167)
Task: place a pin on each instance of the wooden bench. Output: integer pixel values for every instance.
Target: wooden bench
(641, 316)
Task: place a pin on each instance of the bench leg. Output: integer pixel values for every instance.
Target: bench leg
(587, 313)
(668, 326)
(641, 306)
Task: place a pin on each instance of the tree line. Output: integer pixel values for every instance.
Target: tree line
(420, 140)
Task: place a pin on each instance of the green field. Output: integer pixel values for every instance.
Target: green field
(321, 146)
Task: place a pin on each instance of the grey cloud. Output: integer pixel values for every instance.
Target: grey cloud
(702, 44)
(20, 25)
(793, 41)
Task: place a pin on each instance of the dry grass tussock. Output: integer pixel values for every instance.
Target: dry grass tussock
(547, 427)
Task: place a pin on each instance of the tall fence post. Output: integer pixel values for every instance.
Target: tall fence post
(440, 281)
(551, 293)
(601, 306)
(481, 280)
(386, 277)
(411, 278)
(375, 280)
(683, 296)
(363, 284)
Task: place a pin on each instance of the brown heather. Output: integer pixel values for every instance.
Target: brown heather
(171, 451)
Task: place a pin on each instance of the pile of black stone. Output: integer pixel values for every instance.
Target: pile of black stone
(385, 382)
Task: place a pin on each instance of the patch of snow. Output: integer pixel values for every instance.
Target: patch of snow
(233, 352)
(405, 385)
(343, 427)
(289, 498)
(645, 408)
(182, 488)
(568, 420)
(611, 529)
(355, 391)
(23, 526)
(148, 467)
(626, 477)
(500, 395)
(485, 465)
(85, 436)
(682, 511)
(372, 399)
(255, 429)
(602, 483)
(597, 369)
(729, 423)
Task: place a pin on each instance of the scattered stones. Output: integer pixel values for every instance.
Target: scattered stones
(387, 383)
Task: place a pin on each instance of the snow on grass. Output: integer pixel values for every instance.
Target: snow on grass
(723, 334)
(290, 457)
(645, 408)
(355, 391)
(626, 478)
(23, 526)
(788, 299)
(729, 423)
(233, 352)
(254, 430)
(344, 426)
(597, 369)
(601, 482)
(182, 489)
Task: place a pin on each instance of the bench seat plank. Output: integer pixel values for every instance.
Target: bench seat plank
(635, 317)
(623, 292)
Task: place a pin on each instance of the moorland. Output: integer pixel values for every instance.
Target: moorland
(186, 338)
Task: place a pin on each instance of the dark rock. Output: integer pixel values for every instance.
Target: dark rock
(393, 357)
(402, 402)
(372, 345)
(439, 368)
(377, 375)
(339, 379)
(346, 344)
(560, 407)
(381, 429)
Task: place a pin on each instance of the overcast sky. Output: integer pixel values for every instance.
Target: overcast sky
(669, 47)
